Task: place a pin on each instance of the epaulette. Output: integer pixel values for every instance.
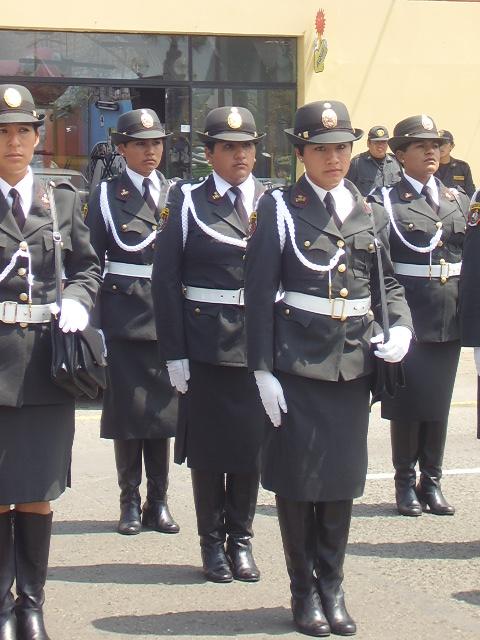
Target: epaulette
(63, 184)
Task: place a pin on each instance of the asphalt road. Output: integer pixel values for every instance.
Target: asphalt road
(406, 578)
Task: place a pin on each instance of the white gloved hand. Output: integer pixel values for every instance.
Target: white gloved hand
(73, 315)
(271, 394)
(396, 348)
(476, 356)
(179, 374)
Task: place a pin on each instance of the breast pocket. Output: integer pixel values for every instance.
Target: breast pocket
(132, 231)
(363, 252)
(3, 245)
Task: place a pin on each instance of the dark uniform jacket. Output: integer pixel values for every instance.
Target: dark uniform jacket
(125, 308)
(433, 304)
(456, 173)
(201, 331)
(366, 173)
(26, 352)
(301, 342)
(470, 279)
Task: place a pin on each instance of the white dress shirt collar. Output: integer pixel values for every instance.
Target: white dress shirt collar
(342, 196)
(247, 188)
(138, 179)
(418, 186)
(24, 188)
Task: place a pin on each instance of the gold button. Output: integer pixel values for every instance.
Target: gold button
(243, 257)
(439, 225)
(307, 243)
(442, 261)
(411, 226)
(371, 247)
(114, 287)
(124, 227)
(197, 310)
(440, 243)
(22, 271)
(443, 279)
(370, 313)
(344, 293)
(23, 245)
(23, 297)
(24, 325)
(342, 268)
(340, 244)
(287, 312)
(154, 227)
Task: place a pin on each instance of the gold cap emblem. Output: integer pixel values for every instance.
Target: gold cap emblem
(427, 122)
(146, 120)
(234, 119)
(12, 97)
(380, 133)
(329, 119)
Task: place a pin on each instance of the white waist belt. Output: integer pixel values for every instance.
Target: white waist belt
(446, 270)
(126, 269)
(337, 308)
(12, 312)
(219, 296)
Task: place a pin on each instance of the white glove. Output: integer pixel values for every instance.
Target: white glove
(73, 315)
(476, 355)
(271, 394)
(396, 348)
(179, 374)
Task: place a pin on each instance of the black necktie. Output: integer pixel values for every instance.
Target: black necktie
(17, 209)
(239, 206)
(147, 196)
(427, 192)
(329, 203)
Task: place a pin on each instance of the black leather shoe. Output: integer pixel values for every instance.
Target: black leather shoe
(157, 516)
(129, 523)
(242, 563)
(433, 501)
(215, 563)
(341, 622)
(308, 616)
(407, 502)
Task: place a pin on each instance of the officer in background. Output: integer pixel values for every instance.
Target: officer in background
(197, 283)
(139, 405)
(453, 172)
(375, 167)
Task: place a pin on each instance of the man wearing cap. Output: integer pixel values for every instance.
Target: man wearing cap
(374, 168)
(139, 406)
(311, 354)
(451, 171)
(198, 297)
(427, 230)
(37, 418)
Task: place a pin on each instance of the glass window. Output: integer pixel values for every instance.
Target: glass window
(243, 59)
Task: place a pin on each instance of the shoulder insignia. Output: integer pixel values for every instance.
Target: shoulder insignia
(45, 200)
(474, 215)
(300, 200)
(85, 209)
(252, 224)
(124, 193)
(164, 215)
(407, 195)
(367, 207)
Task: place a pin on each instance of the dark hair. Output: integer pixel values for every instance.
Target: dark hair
(300, 148)
(210, 145)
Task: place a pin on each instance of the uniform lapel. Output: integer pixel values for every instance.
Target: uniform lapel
(7, 221)
(416, 202)
(359, 218)
(308, 206)
(220, 207)
(130, 200)
(448, 204)
(39, 215)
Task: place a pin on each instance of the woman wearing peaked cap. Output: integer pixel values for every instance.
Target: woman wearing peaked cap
(427, 229)
(37, 418)
(312, 357)
(198, 282)
(139, 407)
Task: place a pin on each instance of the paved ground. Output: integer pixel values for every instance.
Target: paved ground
(406, 578)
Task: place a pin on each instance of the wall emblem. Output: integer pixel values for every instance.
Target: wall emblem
(320, 45)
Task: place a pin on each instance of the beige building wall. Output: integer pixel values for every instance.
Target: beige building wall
(387, 59)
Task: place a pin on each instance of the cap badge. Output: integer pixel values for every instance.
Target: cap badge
(146, 120)
(329, 119)
(327, 105)
(12, 97)
(305, 134)
(427, 123)
(234, 119)
(380, 133)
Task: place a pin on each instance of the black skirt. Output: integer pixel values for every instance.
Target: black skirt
(430, 370)
(221, 421)
(35, 452)
(139, 401)
(319, 453)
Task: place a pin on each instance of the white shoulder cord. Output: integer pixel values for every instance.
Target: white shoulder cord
(109, 224)
(188, 205)
(20, 253)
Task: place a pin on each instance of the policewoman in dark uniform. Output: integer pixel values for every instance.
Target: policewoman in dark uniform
(36, 417)
(312, 357)
(198, 281)
(139, 405)
(427, 229)
(453, 172)
(374, 168)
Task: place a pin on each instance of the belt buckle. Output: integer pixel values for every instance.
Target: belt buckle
(338, 316)
(241, 297)
(6, 306)
(444, 272)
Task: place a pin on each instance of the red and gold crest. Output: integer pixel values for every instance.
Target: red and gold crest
(474, 215)
(164, 215)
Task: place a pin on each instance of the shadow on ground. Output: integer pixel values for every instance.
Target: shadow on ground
(418, 550)
(471, 597)
(122, 573)
(79, 527)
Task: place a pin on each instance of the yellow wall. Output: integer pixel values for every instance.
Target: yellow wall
(387, 59)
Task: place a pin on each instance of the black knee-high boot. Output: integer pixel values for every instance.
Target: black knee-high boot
(433, 435)
(8, 621)
(332, 521)
(32, 532)
(405, 444)
(128, 458)
(297, 526)
(209, 497)
(156, 514)
(240, 505)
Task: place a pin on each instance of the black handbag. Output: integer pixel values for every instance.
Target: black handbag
(78, 358)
